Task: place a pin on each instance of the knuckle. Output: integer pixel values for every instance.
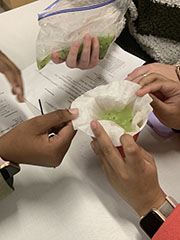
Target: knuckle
(60, 114)
(155, 64)
(83, 63)
(152, 66)
(107, 150)
(96, 47)
(124, 176)
(74, 50)
(86, 49)
(132, 149)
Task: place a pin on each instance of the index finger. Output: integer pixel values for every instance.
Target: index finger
(43, 124)
(111, 154)
(13, 75)
(139, 71)
(132, 151)
(152, 83)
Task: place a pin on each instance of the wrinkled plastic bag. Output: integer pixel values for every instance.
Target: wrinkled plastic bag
(117, 95)
(67, 21)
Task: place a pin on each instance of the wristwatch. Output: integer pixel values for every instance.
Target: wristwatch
(8, 170)
(156, 217)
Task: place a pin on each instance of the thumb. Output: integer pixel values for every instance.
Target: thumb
(54, 119)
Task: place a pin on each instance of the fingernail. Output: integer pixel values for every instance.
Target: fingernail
(73, 111)
(18, 90)
(21, 98)
(93, 125)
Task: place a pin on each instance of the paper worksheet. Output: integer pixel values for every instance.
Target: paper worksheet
(12, 113)
(57, 85)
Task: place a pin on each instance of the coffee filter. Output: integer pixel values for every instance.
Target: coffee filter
(113, 96)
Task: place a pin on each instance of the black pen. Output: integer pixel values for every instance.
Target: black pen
(40, 105)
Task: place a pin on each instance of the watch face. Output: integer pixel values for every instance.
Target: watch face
(151, 223)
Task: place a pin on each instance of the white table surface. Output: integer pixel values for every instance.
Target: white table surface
(74, 201)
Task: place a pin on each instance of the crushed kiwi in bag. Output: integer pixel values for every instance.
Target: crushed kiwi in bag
(104, 43)
(123, 118)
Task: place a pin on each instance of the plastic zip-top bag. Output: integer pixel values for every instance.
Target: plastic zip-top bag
(67, 21)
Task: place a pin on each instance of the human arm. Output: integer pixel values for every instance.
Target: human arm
(29, 142)
(126, 174)
(169, 71)
(13, 75)
(166, 98)
(134, 178)
(88, 58)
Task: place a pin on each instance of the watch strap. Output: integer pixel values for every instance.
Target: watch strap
(168, 206)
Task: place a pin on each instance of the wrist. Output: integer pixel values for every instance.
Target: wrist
(2, 154)
(155, 202)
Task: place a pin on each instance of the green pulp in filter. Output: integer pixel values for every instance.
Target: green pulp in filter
(104, 43)
(123, 118)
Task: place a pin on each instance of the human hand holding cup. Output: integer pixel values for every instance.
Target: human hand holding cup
(107, 103)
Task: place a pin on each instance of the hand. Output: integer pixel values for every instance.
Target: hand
(166, 70)
(87, 59)
(135, 177)
(29, 143)
(13, 75)
(166, 98)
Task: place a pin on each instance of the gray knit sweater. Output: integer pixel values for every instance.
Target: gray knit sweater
(155, 24)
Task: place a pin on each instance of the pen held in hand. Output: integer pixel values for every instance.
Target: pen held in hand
(52, 134)
(40, 105)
